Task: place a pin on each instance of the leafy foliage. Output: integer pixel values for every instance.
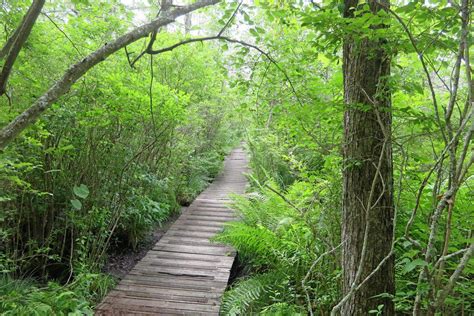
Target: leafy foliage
(23, 297)
(295, 145)
(279, 241)
(111, 161)
(126, 147)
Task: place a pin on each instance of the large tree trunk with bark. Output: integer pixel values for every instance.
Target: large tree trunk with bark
(368, 185)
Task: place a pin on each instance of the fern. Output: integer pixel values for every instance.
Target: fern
(258, 245)
(282, 241)
(247, 293)
(283, 309)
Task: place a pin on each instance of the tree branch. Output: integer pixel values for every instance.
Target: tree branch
(284, 198)
(164, 8)
(6, 48)
(454, 277)
(423, 64)
(149, 48)
(230, 19)
(76, 71)
(64, 33)
(235, 41)
(306, 277)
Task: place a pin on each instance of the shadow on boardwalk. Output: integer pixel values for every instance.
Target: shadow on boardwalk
(185, 274)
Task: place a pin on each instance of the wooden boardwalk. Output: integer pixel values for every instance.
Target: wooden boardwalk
(185, 273)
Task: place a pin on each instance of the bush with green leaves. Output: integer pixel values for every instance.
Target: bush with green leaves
(140, 218)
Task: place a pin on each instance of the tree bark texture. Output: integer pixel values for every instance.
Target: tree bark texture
(368, 173)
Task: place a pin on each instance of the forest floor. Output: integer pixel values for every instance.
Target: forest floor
(119, 263)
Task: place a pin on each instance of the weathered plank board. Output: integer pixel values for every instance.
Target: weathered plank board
(185, 273)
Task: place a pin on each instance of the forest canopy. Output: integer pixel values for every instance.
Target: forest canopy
(357, 117)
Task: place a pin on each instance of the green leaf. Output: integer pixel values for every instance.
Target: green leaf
(5, 198)
(413, 264)
(254, 32)
(86, 2)
(81, 191)
(76, 204)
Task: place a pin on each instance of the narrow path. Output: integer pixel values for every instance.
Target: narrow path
(185, 273)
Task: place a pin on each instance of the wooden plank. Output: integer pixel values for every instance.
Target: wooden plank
(185, 262)
(187, 233)
(173, 262)
(158, 290)
(118, 309)
(165, 294)
(192, 241)
(202, 199)
(228, 215)
(158, 304)
(194, 249)
(210, 218)
(167, 238)
(197, 256)
(211, 210)
(194, 228)
(218, 206)
(184, 239)
(193, 271)
(177, 275)
(223, 214)
(198, 223)
(169, 282)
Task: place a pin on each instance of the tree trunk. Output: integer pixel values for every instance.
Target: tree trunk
(187, 24)
(368, 174)
(15, 43)
(165, 7)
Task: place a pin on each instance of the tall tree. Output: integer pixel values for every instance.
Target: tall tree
(368, 209)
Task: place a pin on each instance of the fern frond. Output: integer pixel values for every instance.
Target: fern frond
(247, 293)
(259, 245)
(283, 309)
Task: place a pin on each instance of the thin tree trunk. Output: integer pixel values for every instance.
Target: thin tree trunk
(8, 45)
(368, 174)
(15, 43)
(165, 7)
(187, 24)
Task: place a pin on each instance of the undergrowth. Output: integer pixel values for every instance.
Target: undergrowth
(278, 238)
(26, 297)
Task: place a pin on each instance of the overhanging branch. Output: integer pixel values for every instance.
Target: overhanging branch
(76, 71)
(149, 48)
(235, 41)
